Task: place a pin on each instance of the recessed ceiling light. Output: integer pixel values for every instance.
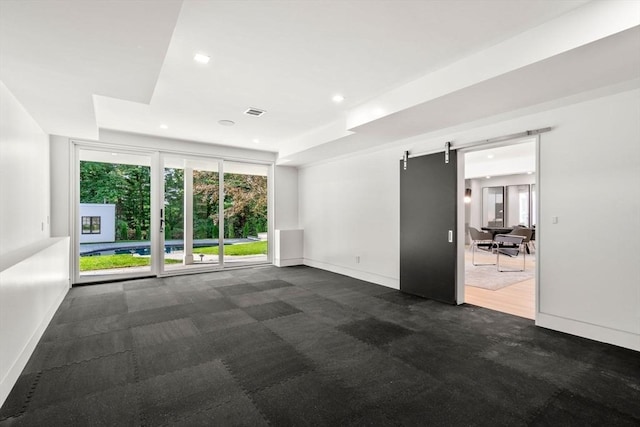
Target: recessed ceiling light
(164, 127)
(529, 173)
(203, 59)
(490, 156)
(114, 154)
(256, 140)
(337, 98)
(226, 122)
(488, 177)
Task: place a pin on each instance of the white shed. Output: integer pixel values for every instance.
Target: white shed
(97, 222)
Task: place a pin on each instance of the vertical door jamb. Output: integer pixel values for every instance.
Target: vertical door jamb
(460, 229)
(221, 214)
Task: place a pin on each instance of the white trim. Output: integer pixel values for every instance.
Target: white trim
(221, 222)
(589, 330)
(75, 210)
(536, 293)
(482, 145)
(390, 282)
(460, 229)
(288, 262)
(271, 214)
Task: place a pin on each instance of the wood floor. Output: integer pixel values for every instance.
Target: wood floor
(517, 299)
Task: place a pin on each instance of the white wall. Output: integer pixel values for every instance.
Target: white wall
(589, 279)
(60, 166)
(351, 208)
(34, 275)
(590, 180)
(33, 283)
(286, 198)
(24, 176)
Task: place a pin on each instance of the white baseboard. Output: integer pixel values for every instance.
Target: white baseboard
(16, 369)
(587, 330)
(288, 262)
(356, 274)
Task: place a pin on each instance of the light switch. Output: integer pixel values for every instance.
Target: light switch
(554, 220)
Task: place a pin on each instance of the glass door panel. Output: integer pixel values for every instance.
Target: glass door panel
(245, 213)
(518, 205)
(493, 206)
(113, 215)
(189, 215)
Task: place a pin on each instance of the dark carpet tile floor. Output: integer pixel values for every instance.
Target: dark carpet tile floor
(300, 346)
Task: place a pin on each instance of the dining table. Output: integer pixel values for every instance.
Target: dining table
(498, 230)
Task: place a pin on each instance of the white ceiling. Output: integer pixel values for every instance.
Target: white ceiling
(511, 159)
(83, 65)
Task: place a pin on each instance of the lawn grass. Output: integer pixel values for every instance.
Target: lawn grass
(253, 248)
(105, 262)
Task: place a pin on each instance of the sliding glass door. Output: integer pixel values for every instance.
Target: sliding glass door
(245, 213)
(113, 215)
(214, 214)
(190, 213)
(150, 213)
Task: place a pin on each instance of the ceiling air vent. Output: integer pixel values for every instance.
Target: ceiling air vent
(255, 112)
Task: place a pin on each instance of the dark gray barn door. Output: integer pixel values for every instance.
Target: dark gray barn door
(428, 226)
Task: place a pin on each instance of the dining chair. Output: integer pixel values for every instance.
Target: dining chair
(479, 240)
(527, 233)
(509, 245)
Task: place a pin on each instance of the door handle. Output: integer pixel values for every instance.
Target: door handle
(450, 236)
(161, 220)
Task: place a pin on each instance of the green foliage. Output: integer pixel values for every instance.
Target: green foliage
(105, 262)
(230, 234)
(128, 187)
(173, 203)
(253, 248)
(123, 230)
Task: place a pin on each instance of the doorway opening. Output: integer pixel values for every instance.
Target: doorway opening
(214, 214)
(113, 214)
(148, 213)
(500, 200)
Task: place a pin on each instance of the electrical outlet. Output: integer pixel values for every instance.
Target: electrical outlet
(357, 259)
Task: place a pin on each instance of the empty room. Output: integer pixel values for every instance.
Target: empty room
(306, 212)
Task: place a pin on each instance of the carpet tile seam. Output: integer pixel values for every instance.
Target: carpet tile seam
(310, 366)
(386, 344)
(176, 419)
(606, 405)
(91, 359)
(64, 340)
(86, 395)
(136, 384)
(272, 318)
(55, 403)
(535, 414)
(33, 386)
(27, 399)
(159, 376)
(244, 390)
(561, 390)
